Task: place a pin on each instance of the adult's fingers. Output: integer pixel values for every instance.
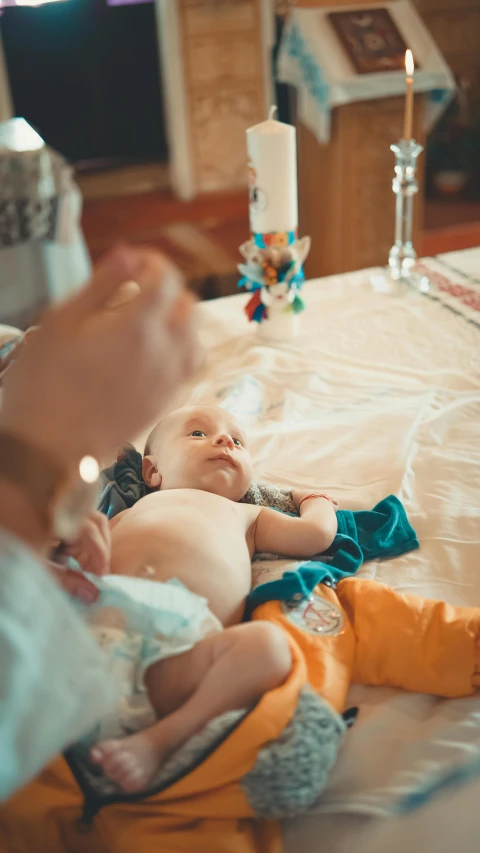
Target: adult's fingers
(117, 267)
(74, 583)
(92, 549)
(161, 315)
(125, 293)
(181, 312)
(160, 286)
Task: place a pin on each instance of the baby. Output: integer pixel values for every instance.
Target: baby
(192, 528)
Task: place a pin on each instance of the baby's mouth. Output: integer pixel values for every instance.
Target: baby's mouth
(222, 457)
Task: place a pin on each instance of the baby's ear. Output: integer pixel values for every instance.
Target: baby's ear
(150, 472)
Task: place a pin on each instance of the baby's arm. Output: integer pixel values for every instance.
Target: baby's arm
(312, 533)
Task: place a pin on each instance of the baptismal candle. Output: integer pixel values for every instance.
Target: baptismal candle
(408, 118)
(272, 179)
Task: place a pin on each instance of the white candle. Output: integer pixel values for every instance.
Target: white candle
(408, 117)
(272, 176)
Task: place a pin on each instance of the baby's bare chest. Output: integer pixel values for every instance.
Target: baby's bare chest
(203, 544)
(185, 528)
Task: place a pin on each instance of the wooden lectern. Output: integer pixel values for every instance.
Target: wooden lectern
(346, 202)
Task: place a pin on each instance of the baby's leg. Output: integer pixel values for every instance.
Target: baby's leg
(225, 672)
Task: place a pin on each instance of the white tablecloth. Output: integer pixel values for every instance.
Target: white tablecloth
(379, 395)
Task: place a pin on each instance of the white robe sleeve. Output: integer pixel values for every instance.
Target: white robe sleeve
(53, 681)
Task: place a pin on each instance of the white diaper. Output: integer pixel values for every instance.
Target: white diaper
(138, 622)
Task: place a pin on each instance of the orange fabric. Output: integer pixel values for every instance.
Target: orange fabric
(387, 638)
(44, 818)
(409, 642)
(476, 673)
(42, 815)
(329, 660)
(205, 811)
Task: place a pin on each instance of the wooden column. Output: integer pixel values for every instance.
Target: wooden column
(6, 110)
(346, 201)
(216, 76)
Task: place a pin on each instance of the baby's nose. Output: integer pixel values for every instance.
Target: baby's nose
(223, 440)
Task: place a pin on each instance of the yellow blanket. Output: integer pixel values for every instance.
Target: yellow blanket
(217, 807)
(276, 762)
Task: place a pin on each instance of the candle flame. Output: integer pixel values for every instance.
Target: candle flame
(409, 63)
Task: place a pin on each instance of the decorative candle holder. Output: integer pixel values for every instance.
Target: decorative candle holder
(273, 272)
(402, 256)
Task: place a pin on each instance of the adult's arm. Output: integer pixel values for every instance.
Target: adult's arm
(53, 681)
(89, 379)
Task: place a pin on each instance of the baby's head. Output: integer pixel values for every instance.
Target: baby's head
(199, 447)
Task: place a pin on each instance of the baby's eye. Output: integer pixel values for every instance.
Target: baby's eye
(237, 442)
(197, 433)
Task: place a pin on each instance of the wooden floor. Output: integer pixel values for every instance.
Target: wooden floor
(202, 236)
(450, 225)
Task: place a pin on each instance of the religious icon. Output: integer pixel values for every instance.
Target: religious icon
(371, 39)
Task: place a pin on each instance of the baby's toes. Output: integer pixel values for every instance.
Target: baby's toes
(112, 757)
(117, 764)
(103, 750)
(133, 780)
(123, 768)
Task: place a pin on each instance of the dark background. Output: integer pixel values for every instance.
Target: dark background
(86, 76)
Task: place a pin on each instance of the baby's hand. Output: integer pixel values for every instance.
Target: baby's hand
(92, 547)
(299, 495)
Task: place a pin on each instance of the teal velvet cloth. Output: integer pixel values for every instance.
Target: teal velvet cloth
(380, 533)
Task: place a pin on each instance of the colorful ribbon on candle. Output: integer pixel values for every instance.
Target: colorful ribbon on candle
(275, 239)
(295, 282)
(273, 272)
(255, 308)
(257, 311)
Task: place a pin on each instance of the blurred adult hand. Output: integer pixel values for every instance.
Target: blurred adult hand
(73, 583)
(92, 547)
(102, 366)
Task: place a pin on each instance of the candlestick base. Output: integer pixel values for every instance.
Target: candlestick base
(400, 277)
(384, 281)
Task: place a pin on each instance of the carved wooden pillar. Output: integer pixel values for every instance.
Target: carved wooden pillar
(217, 80)
(6, 111)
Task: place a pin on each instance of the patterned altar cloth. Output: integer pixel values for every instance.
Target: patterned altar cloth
(312, 59)
(34, 181)
(455, 282)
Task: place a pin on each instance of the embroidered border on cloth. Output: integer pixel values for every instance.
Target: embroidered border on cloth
(461, 298)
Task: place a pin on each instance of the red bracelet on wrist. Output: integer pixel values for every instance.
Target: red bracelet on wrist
(314, 495)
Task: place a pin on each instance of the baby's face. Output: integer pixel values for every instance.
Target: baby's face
(203, 447)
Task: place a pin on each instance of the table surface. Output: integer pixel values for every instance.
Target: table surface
(378, 395)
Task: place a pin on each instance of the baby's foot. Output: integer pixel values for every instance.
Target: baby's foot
(130, 762)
